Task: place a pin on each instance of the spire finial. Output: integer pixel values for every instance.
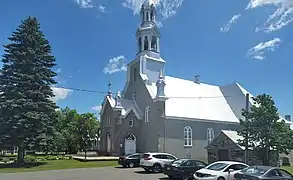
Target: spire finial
(109, 88)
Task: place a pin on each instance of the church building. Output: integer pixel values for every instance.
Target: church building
(160, 113)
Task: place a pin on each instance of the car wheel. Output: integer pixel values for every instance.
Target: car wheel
(186, 177)
(131, 165)
(221, 178)
(157, 168)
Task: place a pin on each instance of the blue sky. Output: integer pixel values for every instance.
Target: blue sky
(245, 41)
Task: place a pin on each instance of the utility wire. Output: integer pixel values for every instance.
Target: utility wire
(104, 92)
(68, 88)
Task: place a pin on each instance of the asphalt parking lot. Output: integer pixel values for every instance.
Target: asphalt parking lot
(111, 173)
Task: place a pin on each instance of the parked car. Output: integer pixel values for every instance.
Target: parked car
(155, 161)
(263, 173)
(130, 160)
(220, 170)
(183, 168)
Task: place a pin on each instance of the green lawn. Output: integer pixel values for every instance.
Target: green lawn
(288, 168)
(59, 164)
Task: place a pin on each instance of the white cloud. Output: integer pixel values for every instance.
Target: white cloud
(85, 3)
(97, 108)
(102, 8)
(279, 19)
(60, 93)
(232, 21)
(258, 51)
(116, 64)
(166, 8)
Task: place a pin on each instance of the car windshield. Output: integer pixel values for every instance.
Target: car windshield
(179, 161)
(254, 170)
(217, 166)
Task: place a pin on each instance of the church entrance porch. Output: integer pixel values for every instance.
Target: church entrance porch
(130, 144)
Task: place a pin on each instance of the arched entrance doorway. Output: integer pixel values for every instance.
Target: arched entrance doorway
(108, 143)
(130, 144)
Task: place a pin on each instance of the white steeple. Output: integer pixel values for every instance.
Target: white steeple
(147, 33)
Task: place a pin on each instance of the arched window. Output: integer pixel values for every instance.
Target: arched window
(139, 44)
(152, 15)
(187, 136)
(146, 114)
(130, 122)
(154, 43)
(146, 43)
(148, 16)
(210, 134)
(143, 16)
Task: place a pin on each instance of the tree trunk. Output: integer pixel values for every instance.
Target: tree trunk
(266, 157)
(20, 155)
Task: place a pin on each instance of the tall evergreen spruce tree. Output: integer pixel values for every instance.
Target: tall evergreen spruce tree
(27, 111)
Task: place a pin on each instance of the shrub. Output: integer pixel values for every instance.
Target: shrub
(30, 158)
(11, 158)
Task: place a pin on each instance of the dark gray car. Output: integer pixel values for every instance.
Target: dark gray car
(263, 173)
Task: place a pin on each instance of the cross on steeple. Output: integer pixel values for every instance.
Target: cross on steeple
(109, 88)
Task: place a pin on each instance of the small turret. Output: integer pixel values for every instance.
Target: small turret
(118, 99)
(118, 103)
(160, 86)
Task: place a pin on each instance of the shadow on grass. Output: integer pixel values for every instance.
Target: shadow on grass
(25, 165)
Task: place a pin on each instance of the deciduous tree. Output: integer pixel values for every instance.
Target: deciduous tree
(266, 131)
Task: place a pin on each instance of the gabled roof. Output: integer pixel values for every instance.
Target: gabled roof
(232, 135)
(127, 107)
(192, 101)
(211, 105)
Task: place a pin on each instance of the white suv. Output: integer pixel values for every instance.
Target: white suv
(155, 161)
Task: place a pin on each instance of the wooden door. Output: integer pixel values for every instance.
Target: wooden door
(223, 155)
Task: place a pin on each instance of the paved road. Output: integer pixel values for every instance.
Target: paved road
(108, 173)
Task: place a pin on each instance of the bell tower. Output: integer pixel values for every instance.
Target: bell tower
(147, 34)
(148, 63)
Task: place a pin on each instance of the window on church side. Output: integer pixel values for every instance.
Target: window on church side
(187, 136)
(146, 43)
(146, 114)
(109, 120)
(154, 43)
(210, 134)
(130, 122)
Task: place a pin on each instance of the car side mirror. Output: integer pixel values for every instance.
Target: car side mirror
(231, 170)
